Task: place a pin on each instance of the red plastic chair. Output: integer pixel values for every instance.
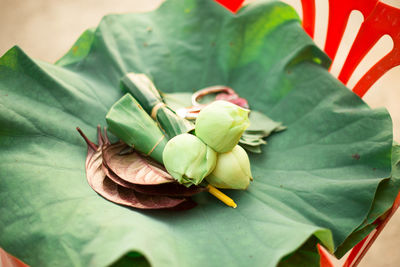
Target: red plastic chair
(379, 19)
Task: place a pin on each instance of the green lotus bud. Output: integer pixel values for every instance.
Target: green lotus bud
(221, 124)
(188, 159)
(232, 170)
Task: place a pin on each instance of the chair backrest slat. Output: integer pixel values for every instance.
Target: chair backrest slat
(384, 19)
(339, 13)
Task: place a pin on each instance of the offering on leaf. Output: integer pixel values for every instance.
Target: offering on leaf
(188, 159)
(211, 155)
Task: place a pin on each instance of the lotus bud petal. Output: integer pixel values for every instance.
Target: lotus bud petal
(221, 124)
(232, 170)
(188, 159)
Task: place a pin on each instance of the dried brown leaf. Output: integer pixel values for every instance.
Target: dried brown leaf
(168, 189)
(134, 168)
(105, 187)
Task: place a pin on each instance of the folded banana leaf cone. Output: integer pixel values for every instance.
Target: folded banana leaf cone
(144, 91)
(325, 179)
(130, 123)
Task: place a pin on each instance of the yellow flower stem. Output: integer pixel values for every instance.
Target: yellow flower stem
(221, 196)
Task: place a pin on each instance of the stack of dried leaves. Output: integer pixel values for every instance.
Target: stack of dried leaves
(124, 176)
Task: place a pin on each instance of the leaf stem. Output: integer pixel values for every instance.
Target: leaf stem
(88, 142)
(221, 196)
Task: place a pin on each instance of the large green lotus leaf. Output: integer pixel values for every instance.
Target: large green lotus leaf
(318, 177)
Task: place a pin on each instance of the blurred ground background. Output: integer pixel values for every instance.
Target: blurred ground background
(46, 29)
